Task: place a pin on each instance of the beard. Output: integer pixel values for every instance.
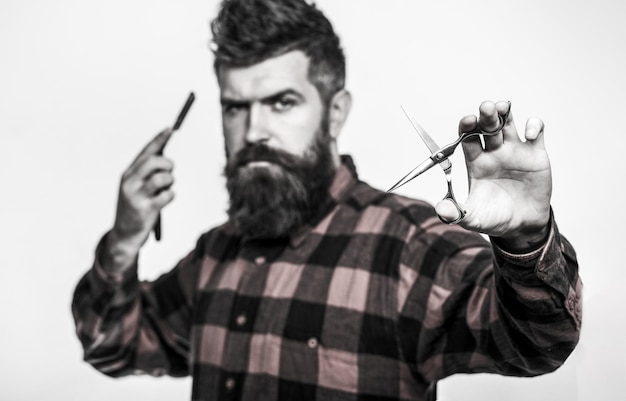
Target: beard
(274, 200)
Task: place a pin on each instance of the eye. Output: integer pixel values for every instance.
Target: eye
(231, 109)
(284, 103)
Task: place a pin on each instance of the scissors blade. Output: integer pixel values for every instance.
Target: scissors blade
(428, 140)
(424, 166)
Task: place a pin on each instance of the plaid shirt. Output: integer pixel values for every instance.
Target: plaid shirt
(376, 301)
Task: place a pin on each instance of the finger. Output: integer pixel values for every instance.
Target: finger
(534, 132)
(489, 121)
(154, 147)
(163, 198)
(157, 183)
(509, 131)
(133, 181)
(503, 107)
(152, 165)
(472, 147)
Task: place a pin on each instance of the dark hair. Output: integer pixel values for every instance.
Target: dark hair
(246, 32)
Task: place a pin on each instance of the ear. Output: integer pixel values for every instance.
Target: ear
(339, 108)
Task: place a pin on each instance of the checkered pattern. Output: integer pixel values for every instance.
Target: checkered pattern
(377, 301)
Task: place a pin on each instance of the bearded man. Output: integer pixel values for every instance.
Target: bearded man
(320, 287)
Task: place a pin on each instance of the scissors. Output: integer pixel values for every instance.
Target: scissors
(440, 156)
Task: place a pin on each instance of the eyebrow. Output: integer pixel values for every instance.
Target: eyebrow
(225, 101)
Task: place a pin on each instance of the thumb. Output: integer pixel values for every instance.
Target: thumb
(448, 211)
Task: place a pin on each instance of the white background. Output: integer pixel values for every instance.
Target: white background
(84, 84)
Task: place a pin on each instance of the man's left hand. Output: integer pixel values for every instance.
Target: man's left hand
(510, 181)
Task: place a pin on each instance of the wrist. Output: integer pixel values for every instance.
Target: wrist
(118, 256)
(524, 242)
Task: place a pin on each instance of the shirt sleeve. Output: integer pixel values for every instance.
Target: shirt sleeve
(127, 326)
(476, 308)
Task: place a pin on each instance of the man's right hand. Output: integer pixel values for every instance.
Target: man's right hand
(145, 189)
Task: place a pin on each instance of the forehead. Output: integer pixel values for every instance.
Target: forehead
(288, 71)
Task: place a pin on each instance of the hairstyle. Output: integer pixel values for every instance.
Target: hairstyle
(246, 32)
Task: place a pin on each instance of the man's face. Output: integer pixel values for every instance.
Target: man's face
(272, 102)
(280, 163)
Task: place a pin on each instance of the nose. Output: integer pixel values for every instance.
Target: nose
(257, 130)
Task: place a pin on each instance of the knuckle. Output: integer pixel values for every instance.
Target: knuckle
(168, 181)
(169, 196)
(168, 164)
(144, 206)
(126, 189)
(162, 179)
(163, 198)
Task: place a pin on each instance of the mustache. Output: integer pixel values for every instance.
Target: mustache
(262, 152)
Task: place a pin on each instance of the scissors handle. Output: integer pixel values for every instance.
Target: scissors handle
(450, 197)
(448, 150)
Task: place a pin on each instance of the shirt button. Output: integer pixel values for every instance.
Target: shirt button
(259, 260)
(230, 384)
(312, 343)
(241, 320)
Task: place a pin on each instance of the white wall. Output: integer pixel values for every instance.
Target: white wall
(84, 84)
